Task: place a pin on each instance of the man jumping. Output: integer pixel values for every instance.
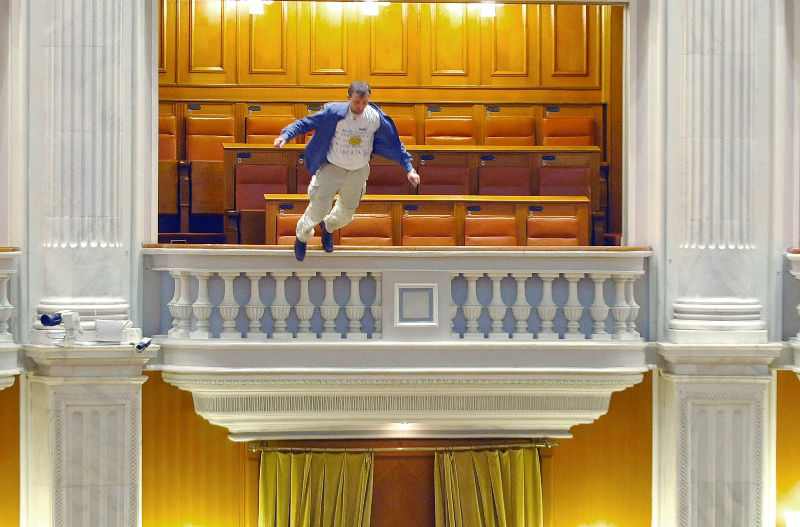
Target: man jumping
(347, 134)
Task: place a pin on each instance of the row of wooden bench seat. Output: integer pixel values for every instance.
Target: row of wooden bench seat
(443, 221)
(205, 134)
(193, 195)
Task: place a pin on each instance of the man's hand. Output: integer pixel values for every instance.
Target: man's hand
(413, 178)
(279, 142)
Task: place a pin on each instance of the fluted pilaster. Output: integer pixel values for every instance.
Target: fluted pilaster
(717, 132)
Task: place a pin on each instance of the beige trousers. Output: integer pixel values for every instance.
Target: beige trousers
(330, 179)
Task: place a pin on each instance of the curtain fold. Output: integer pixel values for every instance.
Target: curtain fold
(488, 488)
(315, 490)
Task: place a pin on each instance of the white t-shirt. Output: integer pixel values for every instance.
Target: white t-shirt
(351, 145)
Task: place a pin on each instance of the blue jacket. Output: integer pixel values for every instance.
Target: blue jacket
(387, 142)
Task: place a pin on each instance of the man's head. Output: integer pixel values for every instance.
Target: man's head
(358, 96)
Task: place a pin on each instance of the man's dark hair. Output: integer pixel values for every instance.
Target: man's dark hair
(359, 87)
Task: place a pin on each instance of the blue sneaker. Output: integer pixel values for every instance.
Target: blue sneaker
(327, 238)
(299, 250)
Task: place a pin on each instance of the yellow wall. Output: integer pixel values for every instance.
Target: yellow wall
(602, 476)
(787, 451)
(9, 455)
(192, 475)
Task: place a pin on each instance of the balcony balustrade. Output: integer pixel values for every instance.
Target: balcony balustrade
(8, 346)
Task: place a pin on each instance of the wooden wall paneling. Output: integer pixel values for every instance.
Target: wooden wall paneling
(268, 45)
(570, 46)
(388, 46)
(614, 128)
(207, 42)
(510, 47)
(167, 41)
(10, 454)
(449, 45)
(595, 111)
(328, 40)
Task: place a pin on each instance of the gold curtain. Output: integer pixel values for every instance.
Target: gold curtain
(315, 490)
(488, 488)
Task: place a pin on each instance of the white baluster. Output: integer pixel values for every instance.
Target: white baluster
(176, 276)
(453, 309)
(472, 308)
(634, 308)
(355, 308)
(599, 309)
(183, 308)
(573, 310)
(280, 308)
(304, 307)
(202, 307)
(329, 309)
(255, 308)
(497, 309)
(5, 308)
(620, 309)
(377, 307)
(229, 308)
(547, 309)
(521, 309)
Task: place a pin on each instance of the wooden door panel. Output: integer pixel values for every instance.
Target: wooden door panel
(268, 45)
(206, 42)
(390, 58)
(508, 49)
(167, 41)
(325, 43)
(570, 46)
(448, 46)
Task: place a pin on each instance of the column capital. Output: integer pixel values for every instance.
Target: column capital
(719, 359)
(86, 360)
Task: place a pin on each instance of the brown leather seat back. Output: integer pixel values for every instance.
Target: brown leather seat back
(387, 179)
(490, 230)
(428, 230)
(205, 135)
(253, 181)
(553, 230)
(167, 137)
(509, 131)
(504, 181)
(406, 129)
(450, 131)
(448, 180)
(167, 187)
(263, 129)
(368, 229)
(568, 131)
(286, 229)
(565, 181)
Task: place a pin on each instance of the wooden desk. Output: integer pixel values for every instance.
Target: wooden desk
(460, 208)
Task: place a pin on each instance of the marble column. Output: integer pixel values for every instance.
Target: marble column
(710, 201)
(84, 81)
(91, 90)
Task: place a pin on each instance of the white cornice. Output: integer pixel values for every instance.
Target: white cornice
(373, 403)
